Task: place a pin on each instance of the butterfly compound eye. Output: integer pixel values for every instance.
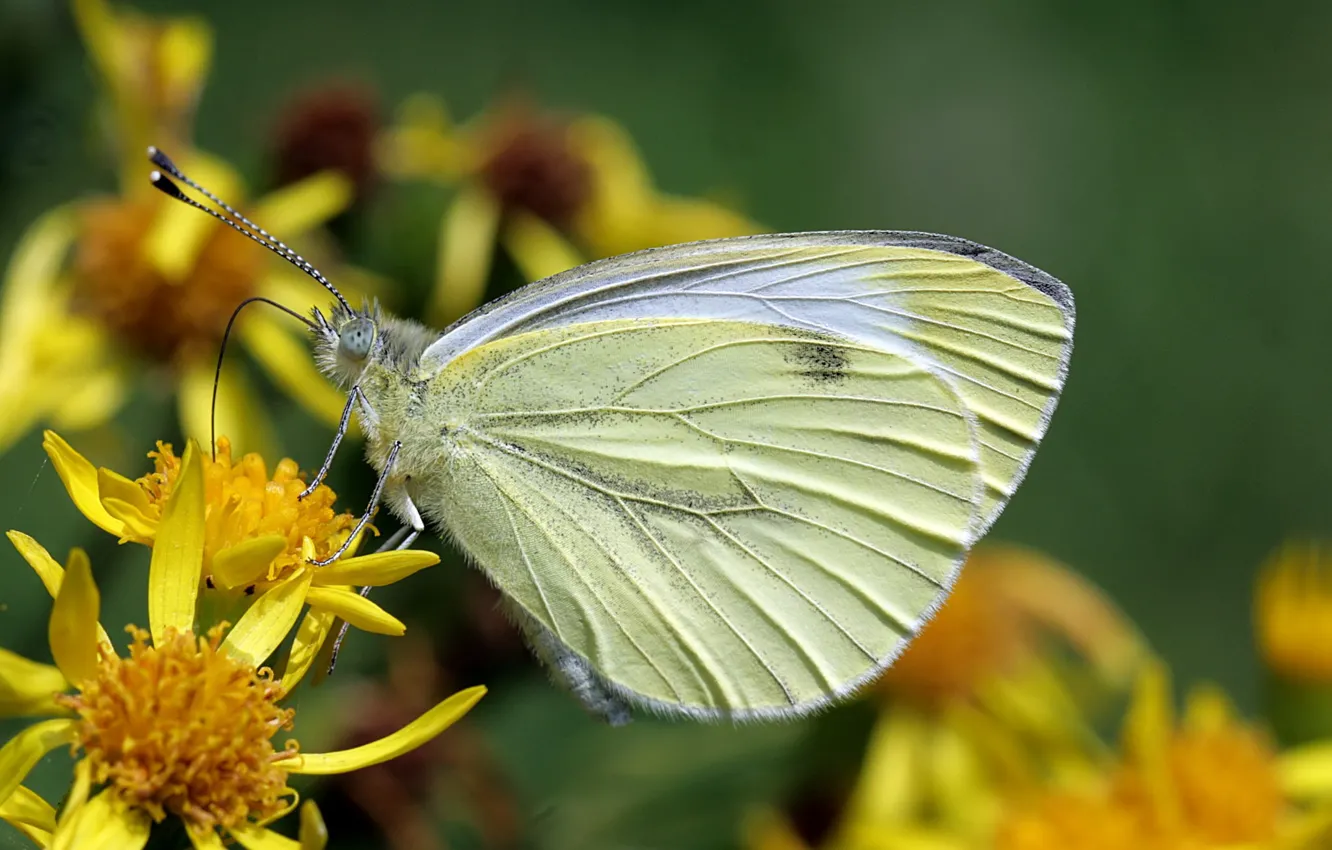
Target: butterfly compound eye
(356, 338)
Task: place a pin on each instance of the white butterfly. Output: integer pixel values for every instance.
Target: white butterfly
(726, 479)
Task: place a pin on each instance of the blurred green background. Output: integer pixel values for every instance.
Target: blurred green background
(1170, 161)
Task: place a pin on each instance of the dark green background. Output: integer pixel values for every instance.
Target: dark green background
(1169, 161)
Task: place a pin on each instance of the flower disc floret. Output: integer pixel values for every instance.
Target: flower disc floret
(182, 728)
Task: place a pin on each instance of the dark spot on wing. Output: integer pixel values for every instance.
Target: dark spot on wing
(819, 362)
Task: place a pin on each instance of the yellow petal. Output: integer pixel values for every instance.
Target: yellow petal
(239, 417)
(26, 807)
(28, 688)
(184, 53)
(406, 739)
(242, 564)
(35, 834)
(424, 143)
(265, 624)
(116, 486)
(466, 243)
(258, 838)
(51, 573)
(287, 361)
(887, 791)
(77, 796)
(314, 834)
(80, 480)
(310, 637)
(1306, 771)
(102, 35)
(73, 626)
(138, 527)
(1148, 727)
(22, 752)
(103, 823)
(375, 570)
(538, 249)
(1208, 709)
(304, 205)
(204, 838)
(178, 233)
(173, 572)
(95, 399)
(355, 609)
(34, 266)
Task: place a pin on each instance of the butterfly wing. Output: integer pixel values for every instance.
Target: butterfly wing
(1001, 330)
(736, 477)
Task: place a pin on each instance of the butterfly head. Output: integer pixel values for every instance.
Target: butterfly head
(346, 341)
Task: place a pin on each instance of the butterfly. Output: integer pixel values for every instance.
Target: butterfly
(726, 479)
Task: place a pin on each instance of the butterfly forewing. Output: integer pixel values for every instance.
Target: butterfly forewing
(999, 329)
(735, 477)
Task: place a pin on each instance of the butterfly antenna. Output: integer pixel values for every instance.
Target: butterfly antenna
(222, 352)
(246, 227)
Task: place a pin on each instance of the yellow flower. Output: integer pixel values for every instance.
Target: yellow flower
(101, 284)
(977, 708)
(1210, 780)
(184, 725)
(978, 704)
(528, 181)
(253, 533)
(152, 71)
(1292, 613)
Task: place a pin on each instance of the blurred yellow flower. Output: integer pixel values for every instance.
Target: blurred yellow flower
(554, 193)
(98, 285)
(253, 532)
(1292, 615)
(980, 707)
(183, 726)
(1210, 780)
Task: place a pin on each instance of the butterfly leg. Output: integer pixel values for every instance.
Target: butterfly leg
(400, 539)
(369, 509)
(337, 441)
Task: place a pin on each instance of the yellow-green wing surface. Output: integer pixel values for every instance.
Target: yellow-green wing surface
(1000, 330)
(733, 478)
(720, 517)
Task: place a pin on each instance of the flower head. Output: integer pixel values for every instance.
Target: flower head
(253, 531)
(181, 727)
(1011, 608)
(104, 284)
(1293, 612)
(185, 726)
(1207, 780)
(553, 191)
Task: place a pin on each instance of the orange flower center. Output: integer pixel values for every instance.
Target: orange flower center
(242, 502)
(1222, 790)
(161, 319)
(183, 728)
(1227, 783)
(531, 166)
(1063, 821)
